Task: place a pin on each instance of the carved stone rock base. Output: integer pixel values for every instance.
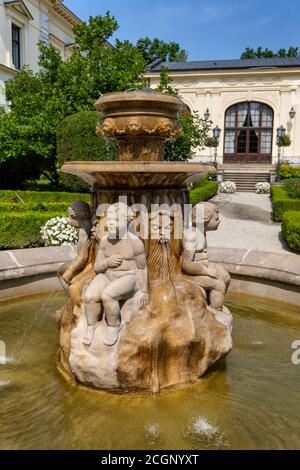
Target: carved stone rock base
(176, 339)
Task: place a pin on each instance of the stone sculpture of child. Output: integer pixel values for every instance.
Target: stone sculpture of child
(79, 217)
(121, 273)
(213, 278)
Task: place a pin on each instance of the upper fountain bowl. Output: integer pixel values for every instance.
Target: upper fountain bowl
(140, 121)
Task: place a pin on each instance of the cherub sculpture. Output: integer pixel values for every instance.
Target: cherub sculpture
(121, 273)
(213, 278)
(79, 217)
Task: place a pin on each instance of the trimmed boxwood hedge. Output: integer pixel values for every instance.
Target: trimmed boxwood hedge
(282, 203)
(22, 214)
(43, 197)
(22, 230)
(291, 229)
(292, 187)
(59, 207)
(203, 193)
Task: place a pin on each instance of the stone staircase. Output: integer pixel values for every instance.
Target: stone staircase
(246, 176)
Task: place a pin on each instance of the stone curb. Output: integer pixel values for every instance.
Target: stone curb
(281, 267)
(267, 265)
(16, 264)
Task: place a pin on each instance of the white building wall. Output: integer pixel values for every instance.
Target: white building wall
(279, 89)
(47, 25)
(60, 35)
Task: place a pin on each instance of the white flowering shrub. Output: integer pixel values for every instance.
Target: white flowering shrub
(262, 188)
(227, 187)
(58, 231)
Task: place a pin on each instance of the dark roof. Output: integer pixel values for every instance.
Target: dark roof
(225, 64)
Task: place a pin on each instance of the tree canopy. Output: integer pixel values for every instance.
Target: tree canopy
(39, 101)
(261, 53)
(153, 49)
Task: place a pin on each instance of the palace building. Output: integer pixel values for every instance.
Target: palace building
(248, 100)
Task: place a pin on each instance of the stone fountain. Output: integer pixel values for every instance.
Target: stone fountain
(145, 307)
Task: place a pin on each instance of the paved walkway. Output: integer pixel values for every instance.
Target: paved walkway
(246, 223)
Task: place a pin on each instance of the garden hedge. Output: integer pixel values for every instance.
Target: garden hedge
(77, 140)
(43, 197)
(22, 230)
(292, 187)
(282, 203)
(203, 180)
(291, 229)
(22, 214)
(203, 193)
(59, 207)
(286, 171)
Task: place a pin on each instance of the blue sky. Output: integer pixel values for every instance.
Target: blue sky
(219, 29)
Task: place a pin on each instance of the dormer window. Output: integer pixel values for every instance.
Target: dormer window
(16, 46)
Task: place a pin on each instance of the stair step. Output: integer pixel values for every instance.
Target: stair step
(240, 175)
(247, 181)
(246, 178)
(260, 180)
(247, 167)
(232, 175)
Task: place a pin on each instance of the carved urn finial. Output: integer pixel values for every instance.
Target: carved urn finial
(141, 122)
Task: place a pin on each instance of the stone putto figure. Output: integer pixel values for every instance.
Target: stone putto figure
(79, 217)
(213, 278)
(121, 273)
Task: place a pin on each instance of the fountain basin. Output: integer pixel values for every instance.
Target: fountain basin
(138, 174)
(239, 407)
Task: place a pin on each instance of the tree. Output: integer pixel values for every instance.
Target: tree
(39, 101)
(27, 133)
(195, 130)
(261, 53)
(165, 83)
(157, 49)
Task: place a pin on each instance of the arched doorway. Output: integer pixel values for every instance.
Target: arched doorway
(248, 133)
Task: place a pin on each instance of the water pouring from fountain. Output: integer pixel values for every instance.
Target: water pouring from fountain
(145, 307)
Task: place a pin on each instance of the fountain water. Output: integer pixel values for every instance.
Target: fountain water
(145, 307)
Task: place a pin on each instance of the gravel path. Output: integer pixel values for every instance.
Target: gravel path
(246, 223)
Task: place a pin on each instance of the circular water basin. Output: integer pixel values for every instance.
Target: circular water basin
(250, 402)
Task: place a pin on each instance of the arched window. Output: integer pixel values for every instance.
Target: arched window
(248, 133)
